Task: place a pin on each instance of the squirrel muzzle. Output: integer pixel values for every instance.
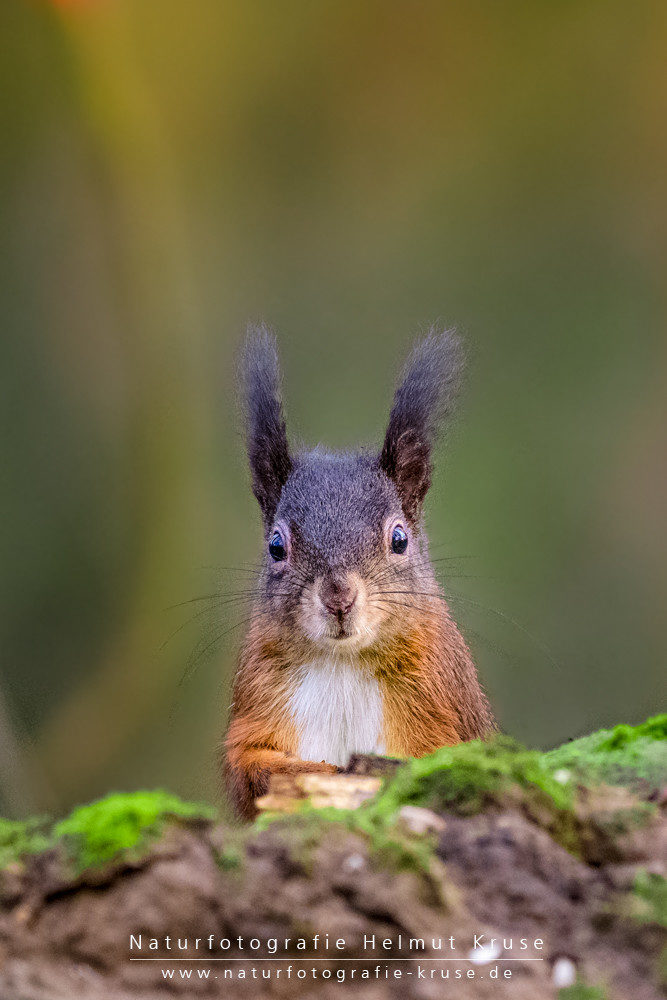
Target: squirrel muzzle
(338, 594)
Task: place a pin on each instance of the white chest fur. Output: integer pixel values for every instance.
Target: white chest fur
(337, 709)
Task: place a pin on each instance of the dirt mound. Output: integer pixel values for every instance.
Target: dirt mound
(493, 882)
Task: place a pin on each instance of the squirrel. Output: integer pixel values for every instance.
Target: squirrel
(351, 646)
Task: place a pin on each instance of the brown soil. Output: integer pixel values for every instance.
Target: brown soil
(497, 873)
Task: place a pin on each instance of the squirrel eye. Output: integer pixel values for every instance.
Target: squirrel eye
(277, 547)
(399, 540)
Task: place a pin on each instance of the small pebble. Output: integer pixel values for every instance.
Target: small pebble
(419, 820)
(487, 953)
(354, 862)
(564, 973)
(562, 776)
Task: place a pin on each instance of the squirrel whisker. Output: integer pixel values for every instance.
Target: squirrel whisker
(256, 570)
(510, 621)
(198, 654)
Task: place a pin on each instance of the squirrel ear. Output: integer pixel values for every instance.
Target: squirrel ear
(424, 398)
(268, 449)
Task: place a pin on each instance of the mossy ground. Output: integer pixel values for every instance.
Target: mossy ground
(472, 776)
(389, 845)
(94, 834)
(650, 890)
(18, 839)
(118, 824)
(495, 800)
(624, 755)
(476, 776)
(581, 992)
(465, 780)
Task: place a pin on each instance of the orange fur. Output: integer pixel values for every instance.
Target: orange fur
(431, 698)
(261, 739)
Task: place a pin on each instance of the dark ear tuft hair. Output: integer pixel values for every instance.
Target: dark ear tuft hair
(424, 398)
(268, 450)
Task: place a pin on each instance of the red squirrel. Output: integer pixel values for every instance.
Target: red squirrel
(351, 647)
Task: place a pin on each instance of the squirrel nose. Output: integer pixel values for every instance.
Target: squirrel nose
(338, 596)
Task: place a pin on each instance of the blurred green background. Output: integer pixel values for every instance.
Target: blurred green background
(349, 172)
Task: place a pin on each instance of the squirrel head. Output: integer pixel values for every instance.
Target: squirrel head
(345, 551)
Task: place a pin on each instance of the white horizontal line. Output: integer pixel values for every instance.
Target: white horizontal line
(333, 958)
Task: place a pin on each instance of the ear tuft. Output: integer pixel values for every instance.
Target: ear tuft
(424, 399)
(268, 448)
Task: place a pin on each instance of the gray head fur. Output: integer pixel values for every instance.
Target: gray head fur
(425, 396)
(336, 512)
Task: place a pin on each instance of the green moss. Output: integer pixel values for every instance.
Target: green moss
(101, 831)
(388, 845)
(122, 824)
(471, 776)
(625, 755)
(303, 830)
(306, 828)
(230, 855)
(19, 839)
(581, 992)
(464, 779)
(650, 891)
(623, 735)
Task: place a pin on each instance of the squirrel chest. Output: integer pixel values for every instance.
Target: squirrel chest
(336, 707)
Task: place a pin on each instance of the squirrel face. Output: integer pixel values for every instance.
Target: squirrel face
(340, 550)
(345, 551)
